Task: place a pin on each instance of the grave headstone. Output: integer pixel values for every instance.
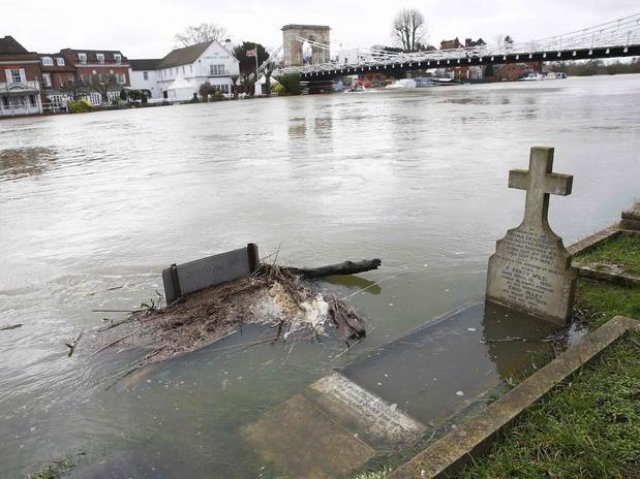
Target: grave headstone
(531, 269)
(195, 275)
(631, 217)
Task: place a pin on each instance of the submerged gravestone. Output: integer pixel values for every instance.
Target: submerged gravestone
(531, 269)
(210, 271)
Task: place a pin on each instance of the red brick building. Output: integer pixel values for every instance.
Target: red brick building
(96, 74)
(20, 73)
(109, 68)
(56, 73)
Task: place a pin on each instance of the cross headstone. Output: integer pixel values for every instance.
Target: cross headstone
(531, 269)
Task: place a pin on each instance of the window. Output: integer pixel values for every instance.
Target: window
(122, 79)
(145, 75)
(15, 76)
(5, 101)
(117, 57)
(84, 78)
(47, 61)
(100, 57)
(217, 70)
(82, 57)
(32, 100)
(60, 61)
(46, 80)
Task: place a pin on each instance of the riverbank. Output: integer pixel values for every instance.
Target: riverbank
(588, 427)
(588, 424)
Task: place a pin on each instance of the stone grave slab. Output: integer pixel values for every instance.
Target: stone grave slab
(304, 441)
(210, 271)
(377, 422)
(531, 269)
(391, 397)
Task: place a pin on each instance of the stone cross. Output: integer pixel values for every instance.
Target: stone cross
(539, 183)
(531, 269)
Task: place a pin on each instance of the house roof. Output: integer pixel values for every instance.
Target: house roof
(10, 46)
(145, 64)
(72, 53)
(184, 56)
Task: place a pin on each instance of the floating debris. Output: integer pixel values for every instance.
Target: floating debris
(278, 297)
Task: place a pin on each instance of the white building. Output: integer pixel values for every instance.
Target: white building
(19, 79)
(143, 75)
(179, 75)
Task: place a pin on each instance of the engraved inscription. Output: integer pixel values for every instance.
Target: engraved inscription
(206, 272)
(213, 270)
(373, 413)
(529, 274)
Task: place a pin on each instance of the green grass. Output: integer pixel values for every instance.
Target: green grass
(589, 427)
(602, 301)
(621, 250)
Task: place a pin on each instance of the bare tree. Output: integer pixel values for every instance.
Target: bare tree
(103, 84)
(74, 89)
(508, 43)
(409, 28)
(205, 32)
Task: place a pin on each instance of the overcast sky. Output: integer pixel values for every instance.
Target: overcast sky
(146, 29)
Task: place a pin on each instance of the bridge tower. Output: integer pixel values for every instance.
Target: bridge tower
(292, 45)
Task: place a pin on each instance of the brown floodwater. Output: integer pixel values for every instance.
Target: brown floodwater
(93, 207)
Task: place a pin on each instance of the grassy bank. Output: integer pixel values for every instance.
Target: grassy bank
(589, 427)
(623, 251)
(599, 302)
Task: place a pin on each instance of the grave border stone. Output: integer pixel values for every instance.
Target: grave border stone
(180, 279)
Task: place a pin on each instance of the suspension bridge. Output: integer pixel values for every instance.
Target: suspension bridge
(618, 38)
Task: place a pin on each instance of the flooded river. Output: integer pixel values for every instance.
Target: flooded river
(93, 207)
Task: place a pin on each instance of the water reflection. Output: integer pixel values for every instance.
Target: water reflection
(357, 283)
(22, 162)
(515, 341)
(297, 128)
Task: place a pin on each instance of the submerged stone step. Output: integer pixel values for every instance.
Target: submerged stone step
(374, 420)
(390, 398)
(304, 441)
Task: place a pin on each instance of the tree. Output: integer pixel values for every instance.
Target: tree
(205, 32)
(247, 65)
(103, 84)
(409, 28)
(74, 89)
(291, 83)
(508, 42)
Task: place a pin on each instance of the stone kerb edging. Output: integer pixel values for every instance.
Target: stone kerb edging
(594, 240)
(591, 242)
(448, 455)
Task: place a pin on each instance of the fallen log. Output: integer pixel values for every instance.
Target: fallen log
(346, 267)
